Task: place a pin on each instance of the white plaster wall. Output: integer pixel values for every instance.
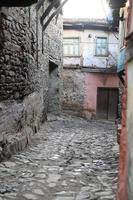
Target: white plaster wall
(72, 60)
(87, 48)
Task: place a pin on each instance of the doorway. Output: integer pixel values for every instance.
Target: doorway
(107, 103)
(53, 90)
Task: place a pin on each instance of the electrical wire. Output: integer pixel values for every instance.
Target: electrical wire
(107, 20)
(74, 43)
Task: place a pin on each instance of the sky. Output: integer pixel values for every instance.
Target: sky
(86, 9)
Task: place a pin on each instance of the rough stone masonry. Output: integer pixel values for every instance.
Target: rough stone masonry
(25, 53)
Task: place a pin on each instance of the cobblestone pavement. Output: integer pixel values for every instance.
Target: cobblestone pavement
(70, 159)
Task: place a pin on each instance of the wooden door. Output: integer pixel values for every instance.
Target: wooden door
(113, 104)
(102, 103)
(53, 90)
(107, 103)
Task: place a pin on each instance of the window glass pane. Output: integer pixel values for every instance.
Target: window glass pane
(65, 49)
(76, 50)
(98, 51)
(103, 41)
(71, 50)
(101, 46)
(73, 46)
(103, 51)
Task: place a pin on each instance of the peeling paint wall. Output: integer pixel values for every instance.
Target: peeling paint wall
(129, 96)
(87, 49)
(125, 182)
(130, 128)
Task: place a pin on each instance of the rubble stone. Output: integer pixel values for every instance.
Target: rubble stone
(25, 53)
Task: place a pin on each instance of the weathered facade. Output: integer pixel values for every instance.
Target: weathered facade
(125, 65)
(89, 69)
(27, 54)
(127, 144)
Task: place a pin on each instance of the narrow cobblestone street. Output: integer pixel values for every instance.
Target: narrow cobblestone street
(69, 159)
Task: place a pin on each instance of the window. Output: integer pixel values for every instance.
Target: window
(71, 46)
(101, 46)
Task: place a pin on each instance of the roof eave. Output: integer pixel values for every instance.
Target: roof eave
(17, 3)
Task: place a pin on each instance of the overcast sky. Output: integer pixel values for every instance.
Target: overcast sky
(85, 9)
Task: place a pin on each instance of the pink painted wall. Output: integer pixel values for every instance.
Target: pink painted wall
(92, 82)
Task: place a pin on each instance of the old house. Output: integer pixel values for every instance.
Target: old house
(123, 16)
(90, 81)
(30, 60)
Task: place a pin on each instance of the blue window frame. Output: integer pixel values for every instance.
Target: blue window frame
(101, 46)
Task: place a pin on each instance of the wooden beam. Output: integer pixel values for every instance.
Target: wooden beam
(39, 4)
(50, 7)
(54, 14)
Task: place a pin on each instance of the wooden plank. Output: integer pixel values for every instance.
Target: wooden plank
(39, 4)
(54, 14)
(48, 10)
(102, 103)
(113, 104)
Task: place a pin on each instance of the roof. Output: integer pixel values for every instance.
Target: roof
(79, 23)
(115, 5)
(17, 3)
(23, 3)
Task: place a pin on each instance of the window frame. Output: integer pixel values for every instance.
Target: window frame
(72, 45)
(96, 46)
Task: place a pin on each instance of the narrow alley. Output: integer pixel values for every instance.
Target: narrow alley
(70, 159)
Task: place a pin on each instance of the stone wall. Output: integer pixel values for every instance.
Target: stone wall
(73, 92)
(25, 52)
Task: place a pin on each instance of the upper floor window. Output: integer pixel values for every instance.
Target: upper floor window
(71, 46)
(101, 46)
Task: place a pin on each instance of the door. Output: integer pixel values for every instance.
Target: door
(107, 103)
(113, 104)
(53, 90)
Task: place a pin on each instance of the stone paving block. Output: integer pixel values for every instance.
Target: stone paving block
(30, 196)
(70, 159)
(64, 198)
